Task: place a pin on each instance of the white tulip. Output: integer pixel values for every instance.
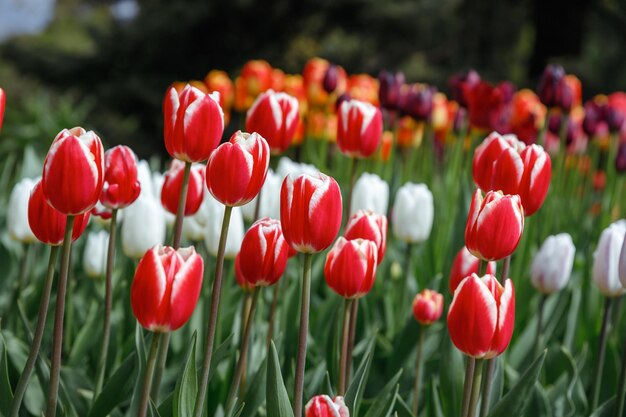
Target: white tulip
(144, 175)
(143, 226)
(606, 259)
(270, 199)
(286, 166)
(413, 212)
(214, 228)
(622, 263)
(17, 212)
(370, 193)
(95, 254)
(157, 180)
(552, 265)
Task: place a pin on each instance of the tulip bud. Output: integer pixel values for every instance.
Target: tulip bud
(331, 78)
(350, 267)
(270, 205)
(263, 254)
(143, 226)
(275, 117)
(3, 100)
(237, 169)
(173, 184)
(17, 211)
(73, 172)
(241, 280)
(215, 215)
(389, 90)
(427, 307)
(286, 166)
(324, 406)
(370, 226)
(620, 158)
(413, 211)
(461, 84)
(464, 265)
(606, 260)
(121, 186)
(359, 128)
(549, 84)
(194, 123)
(95, 254)
(552, 265)
(47, 224)
(310, 211)
(166, 287)
(482, 316)
(535, 180)
(494, 225)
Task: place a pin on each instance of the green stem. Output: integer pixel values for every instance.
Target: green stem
(215, 301)
(178, 230)
(404, 291)
(478, 373)
(482, 267)
(467, 387)
(57, 344)
(418, 365)
(20, 389)
(621, 390)
(147, 381)
(484, 405)
(354, 313)
(304, 328)
(241, 363)
(353, 170)
(108, 302)
(345, 339)
(270, 320)
(538, 334)
(597, 380)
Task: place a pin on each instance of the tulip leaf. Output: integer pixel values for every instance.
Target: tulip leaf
(186, 388)
(354, 394)
(5, 386)
(386, 399)
(514, 403)
(402, 408)
(276, 394)
(141, 366)
(254, 394)
(85, 340)
(117, 388)
(607, 409)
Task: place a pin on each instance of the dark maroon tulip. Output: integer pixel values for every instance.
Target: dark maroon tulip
(389, 90)
(620, 159)
(419, 101)
(549, 83)
(331, 78)
(461, 83)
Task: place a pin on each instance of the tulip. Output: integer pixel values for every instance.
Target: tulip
(331, 78)
(46, 223)
(241, 280)
(535, 182)
(370, 226)
(481, 316)
(94, 256)
(350, 267)
(552, 265)
(464, 265)
(413, 211)
(418, 102)
(427, 307)
(73, 172)
(3, 100)
(486, 104)
(549, 84)
(269, 204)
(275, 117)
(622, 263)
(370, 193)
(324, 406)
(310, 211)
(173, 183)
(494, 225)
(389, 91)
(146, 183)
(143, 226)
(194, 123)
(255, 78)
(17, 211)
(286, 166)
(606, 260)
(263, 254)
(214, 215)
(121, 186)
(219, 81)
(157, 180)
(461, 84)
(620, 158)
(359, 128)
(237, 169)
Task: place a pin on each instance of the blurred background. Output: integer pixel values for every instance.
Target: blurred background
(106, 64)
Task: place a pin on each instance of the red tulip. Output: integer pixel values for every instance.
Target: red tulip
(535, 182)
(263, 254)
(173, 183)
(310, 211)
(482, 315)
(350, 267)
(241, 280)
(371, 226)
(427, 307)
(274, 116)
(194, 123)
(166, 287)
(73, 172)
(359, 128)
(237, 169)
(47, 224)
(464, 265)
(3, 100)
(324, 406)
(121, 186)
(494, 225)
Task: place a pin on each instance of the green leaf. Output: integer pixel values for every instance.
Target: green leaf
(276, 394)
(607, 409)
(5, 386)
(187, 384)
(515, 401)
(140, 347)
(354, 394)
(386, 399)
(117, 388)
(85, 340)
(402, 408)
(255, 393)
